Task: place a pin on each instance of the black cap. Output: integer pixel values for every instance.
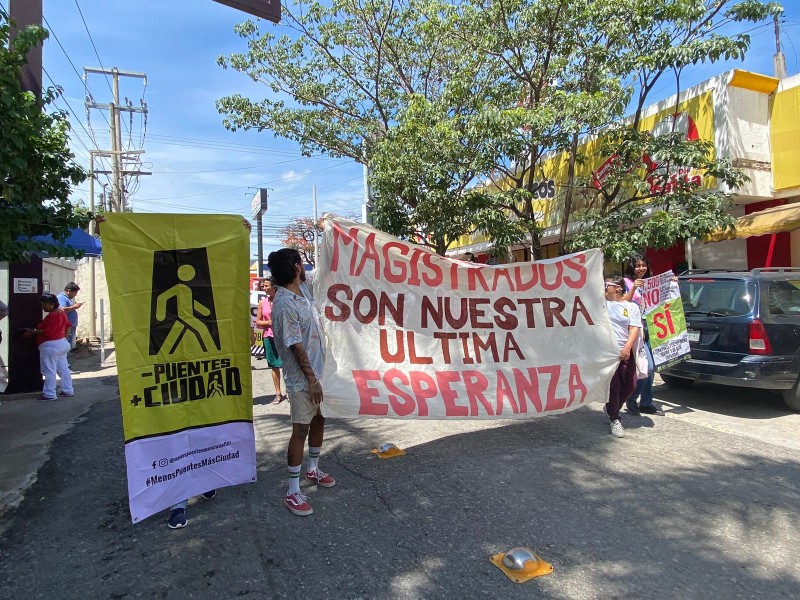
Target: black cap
(72, 286)
(49, 298)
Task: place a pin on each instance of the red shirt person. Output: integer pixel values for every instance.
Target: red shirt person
(53, 347)
(53, 327)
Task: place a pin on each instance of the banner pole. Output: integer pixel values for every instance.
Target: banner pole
(102, 333)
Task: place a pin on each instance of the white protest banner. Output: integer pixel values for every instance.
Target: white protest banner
(666, 323)
(410, 334)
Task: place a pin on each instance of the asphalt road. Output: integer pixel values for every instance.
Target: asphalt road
(702, 502)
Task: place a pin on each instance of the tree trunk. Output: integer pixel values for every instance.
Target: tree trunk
(536, 246)
(568, 196)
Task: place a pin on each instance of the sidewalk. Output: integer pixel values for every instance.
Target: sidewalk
(28, 427)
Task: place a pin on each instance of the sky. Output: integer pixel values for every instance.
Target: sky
(197, 165)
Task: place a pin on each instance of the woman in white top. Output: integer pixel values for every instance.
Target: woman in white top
(626, 325)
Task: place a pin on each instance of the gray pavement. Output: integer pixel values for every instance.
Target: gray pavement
(702, 502)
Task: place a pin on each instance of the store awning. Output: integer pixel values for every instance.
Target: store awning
(78, 240)
(763, 222)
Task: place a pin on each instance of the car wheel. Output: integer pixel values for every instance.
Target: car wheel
(791, 398)
(676, 382)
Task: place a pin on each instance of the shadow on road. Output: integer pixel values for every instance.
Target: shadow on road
(672, 512)
(744, 403)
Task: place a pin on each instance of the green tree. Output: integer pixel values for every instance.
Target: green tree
(366, 81)
(570, 70)
(299, 234)
(534, 52)
(647, 181)
(37, 170)
(456, 107)
(423, 175)
(339, 74)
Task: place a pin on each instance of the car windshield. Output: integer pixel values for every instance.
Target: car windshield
(716, 297)
(784, 297)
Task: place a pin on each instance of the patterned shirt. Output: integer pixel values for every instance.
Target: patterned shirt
(295, 321)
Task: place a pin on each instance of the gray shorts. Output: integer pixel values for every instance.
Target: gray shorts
(301, 407)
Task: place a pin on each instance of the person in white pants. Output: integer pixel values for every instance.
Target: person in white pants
(53, 348)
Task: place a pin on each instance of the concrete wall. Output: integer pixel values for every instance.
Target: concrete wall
(730, 254)
(83, 279)
(56, 273)
(750, 142)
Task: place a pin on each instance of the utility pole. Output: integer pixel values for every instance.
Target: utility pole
(316, 230)
(117, 154)
(92, 285)
(259, 206)
(24, 13)
(779, 60)
(92, 174)
(23, 301)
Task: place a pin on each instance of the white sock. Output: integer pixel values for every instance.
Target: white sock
(294, 479)
(313, 458)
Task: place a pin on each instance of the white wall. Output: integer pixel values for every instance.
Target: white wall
(82, 278)
(56, 273)
(741, 132)
(730, 254)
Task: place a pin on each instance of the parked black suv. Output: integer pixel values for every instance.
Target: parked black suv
(744, 330)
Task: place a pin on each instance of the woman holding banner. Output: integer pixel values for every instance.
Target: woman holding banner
(637, 270)
(626, 323)
(264, 320)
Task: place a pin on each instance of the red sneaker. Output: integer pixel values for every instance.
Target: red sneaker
(320, 478)
(298, 504)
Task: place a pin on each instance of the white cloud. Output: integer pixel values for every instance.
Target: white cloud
(295, 176)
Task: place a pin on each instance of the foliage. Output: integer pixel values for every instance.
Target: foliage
(421, 172)
(36, 167)
(657, 40)
(346, 68)
(367, 81)
(538, 54)
(456, 107)
(298, 234)
(294, 236)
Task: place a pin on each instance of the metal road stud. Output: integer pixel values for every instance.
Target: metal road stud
(521, 564)
(388, 450)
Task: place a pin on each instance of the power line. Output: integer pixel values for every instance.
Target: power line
(171, 140)
(51, 30)
(96, 53)
(84, 83)
(243, 187)
(242, 209)
(261, 166)
(69, 107)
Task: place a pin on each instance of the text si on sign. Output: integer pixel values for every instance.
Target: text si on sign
(266, 9)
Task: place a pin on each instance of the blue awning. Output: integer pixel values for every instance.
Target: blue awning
(78, 240)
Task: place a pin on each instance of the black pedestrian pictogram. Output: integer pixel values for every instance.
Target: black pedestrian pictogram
(182, 302)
